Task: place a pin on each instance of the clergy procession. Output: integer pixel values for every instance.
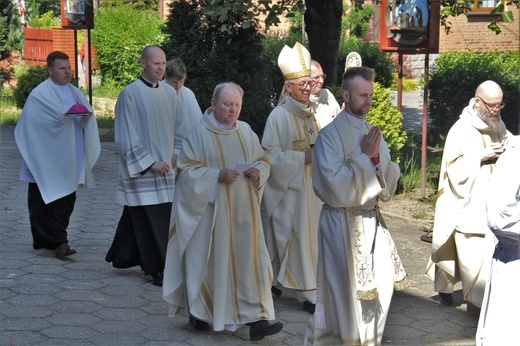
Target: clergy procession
(229, 224)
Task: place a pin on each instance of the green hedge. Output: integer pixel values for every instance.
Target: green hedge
(28, 79)
(454, 79)
(121, 32)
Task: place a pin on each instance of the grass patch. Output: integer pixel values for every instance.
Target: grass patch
(411, 177)
(106, 91)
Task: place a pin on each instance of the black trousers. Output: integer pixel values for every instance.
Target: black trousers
(49, 222)
(141, 238)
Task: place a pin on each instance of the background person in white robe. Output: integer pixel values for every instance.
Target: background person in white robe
(145, 117)
(59, 150)
(291, 207)
(498, 324)
(358, 263)
(188, 109)
(462, 243)
(323, 102)
(217, 269)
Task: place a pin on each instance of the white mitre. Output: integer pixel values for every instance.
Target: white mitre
(295, 62)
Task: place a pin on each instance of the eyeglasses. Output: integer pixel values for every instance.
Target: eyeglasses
(494, 106)
(317, 78)
(303, 85)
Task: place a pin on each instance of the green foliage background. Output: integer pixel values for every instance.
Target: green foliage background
(28, 79)
(216, 50)
(45, 21)
(11, 37)
(455, 77)
(389, 119)
(119, 42)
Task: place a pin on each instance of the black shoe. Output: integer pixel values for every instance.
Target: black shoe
(198, 324)
(64, 250)
(262, 328)
(309, 307)
(446, 298)
(276, 291)
(157, 279)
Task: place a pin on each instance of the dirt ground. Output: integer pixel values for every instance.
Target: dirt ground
(412, 207)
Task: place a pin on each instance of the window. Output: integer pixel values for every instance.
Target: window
(484, 5)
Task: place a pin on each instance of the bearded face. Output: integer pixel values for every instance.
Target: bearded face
(491, 119)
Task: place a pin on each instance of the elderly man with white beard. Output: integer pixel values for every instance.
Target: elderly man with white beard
(462, 244)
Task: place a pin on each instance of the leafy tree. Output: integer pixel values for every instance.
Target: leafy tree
(323, 21)
(454, 8)
(357, 20)
(10, 34)
(219, 41)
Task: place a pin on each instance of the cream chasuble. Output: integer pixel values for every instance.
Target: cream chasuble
(358, 261)
(462, 244)
(217, 263)
(292, 208)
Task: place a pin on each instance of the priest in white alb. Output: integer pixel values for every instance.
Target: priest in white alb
(497, 323)
(217, 270)
(358, 263)
(57, 135)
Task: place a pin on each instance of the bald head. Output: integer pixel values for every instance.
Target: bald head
(153, 62)
(489, 91)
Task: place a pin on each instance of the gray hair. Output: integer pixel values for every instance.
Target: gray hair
(221, 86)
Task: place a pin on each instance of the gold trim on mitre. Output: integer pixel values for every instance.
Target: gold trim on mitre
(295, 62)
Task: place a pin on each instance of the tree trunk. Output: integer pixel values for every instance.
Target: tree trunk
(323, 27)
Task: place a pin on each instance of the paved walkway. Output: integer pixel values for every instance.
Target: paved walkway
(85, 301)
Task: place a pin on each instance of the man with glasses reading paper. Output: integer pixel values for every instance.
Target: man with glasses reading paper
(462, 244)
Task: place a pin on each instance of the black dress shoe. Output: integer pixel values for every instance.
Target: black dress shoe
(262, 328)
(157, 279)
(446, 298)
(309, 307)
(198, 324)
(64, 250)
(276, 291)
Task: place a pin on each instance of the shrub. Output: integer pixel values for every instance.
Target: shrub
(455, 77)
(215, 51)
(119, 42)
(45, 21)
(385, 115)
(408, 84)
(28, 79)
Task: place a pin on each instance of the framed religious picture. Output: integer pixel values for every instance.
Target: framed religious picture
(409, 26)
(77, 14)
